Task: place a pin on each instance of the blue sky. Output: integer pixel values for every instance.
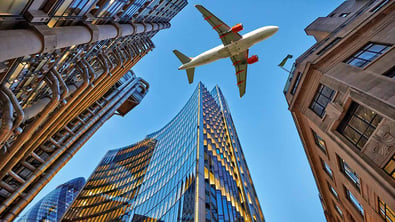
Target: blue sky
(279, 168)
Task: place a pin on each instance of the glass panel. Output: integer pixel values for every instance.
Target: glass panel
(368, 56)
(351, 134)
(355, 202)
(377, 48)
(365, 113)
(357, 62)
(358, 124)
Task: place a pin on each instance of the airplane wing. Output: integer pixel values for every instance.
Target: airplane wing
(240, 64)
(224, 31)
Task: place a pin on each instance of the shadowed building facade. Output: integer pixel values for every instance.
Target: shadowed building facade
(64, 71)
(54, 205)
(193, 169)
(341, 93)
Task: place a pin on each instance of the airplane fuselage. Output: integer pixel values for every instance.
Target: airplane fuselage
(231, 49)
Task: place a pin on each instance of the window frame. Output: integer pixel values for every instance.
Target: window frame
(333, 191)
(354, 201)
(317, 140)
(365, 50)
(383, 211)
(347, 122)
(337, 209)
(348, 171)
(317, 96)
(327, 168)
(389, 163)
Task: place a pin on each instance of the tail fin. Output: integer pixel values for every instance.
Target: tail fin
(185, 59)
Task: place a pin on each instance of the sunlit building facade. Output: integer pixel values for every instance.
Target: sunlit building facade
(64, 71)
(193, 169)
(54, 205)
(341, 93)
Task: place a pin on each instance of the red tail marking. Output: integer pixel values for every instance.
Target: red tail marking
(208, 17)
(223, 35)
(237, 73)
(237, 62)
(217, 26)
(240, 82)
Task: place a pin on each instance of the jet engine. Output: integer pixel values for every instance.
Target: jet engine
(252, 59)
(237, 28)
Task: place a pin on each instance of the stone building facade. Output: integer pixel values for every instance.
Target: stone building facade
(341, 93)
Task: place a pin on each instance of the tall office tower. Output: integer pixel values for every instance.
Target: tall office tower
(54, 205)
(341, 93)
(64, 70)
(193, 169)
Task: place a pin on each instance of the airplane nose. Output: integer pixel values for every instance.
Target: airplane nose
(274, 29)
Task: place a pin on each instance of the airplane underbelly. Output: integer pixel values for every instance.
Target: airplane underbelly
(236, 48)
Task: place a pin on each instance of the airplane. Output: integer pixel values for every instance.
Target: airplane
(234, 46)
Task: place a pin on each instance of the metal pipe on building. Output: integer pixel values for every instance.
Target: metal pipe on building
(6, 119)
(92, 72)
(119, 71)
(27, 42)
(78, 137)
(67, 36)
(53, 83)
(18, 109)
(5, 167)
(104, 62)
(63, 158)
(74, 98)
(62, 84)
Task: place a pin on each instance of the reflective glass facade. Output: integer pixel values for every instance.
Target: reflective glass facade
(193, 169)
(53, 206)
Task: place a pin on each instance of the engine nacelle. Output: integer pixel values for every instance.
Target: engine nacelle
(252, 59)
(237, 28)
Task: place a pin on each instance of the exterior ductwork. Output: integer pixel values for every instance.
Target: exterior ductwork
(6, 123)
(26, 41)
(53, 83)
(67, 72)
(62, 84)
(18, 109)
(61, 155)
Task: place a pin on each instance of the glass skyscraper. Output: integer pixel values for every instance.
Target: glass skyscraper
(53, 206)
(193, 169)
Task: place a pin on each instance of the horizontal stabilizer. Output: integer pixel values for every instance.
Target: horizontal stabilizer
(183, 58)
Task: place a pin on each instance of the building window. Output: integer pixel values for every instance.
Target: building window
(359, 124)
(338, 209)
(327, 168)
(333, 191)
(343, 15)
(329, 46)
(321, 99)
(390, 73)
(379, 6)
(350, 173)
(319, 142)
(354, 201)
(386, 212)
(295, 87)
(390, 167)
(367, 54)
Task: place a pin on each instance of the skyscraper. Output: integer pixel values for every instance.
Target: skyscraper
(193, 169)
(53, 206)
(64, 71)
(341, 93)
